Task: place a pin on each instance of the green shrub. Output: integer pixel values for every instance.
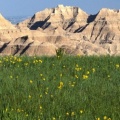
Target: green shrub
(60, 52)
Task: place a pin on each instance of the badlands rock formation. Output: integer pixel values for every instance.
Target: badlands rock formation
(64, 27)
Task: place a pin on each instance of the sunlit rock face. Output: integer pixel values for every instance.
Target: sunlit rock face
(64, 27)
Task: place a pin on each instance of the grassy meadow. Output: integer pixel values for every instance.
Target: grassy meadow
(54, 88)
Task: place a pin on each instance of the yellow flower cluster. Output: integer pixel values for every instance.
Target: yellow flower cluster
(73, 113)
(117, 65)
(37, 61)
(104, 118)
(85, 76)
(77, 68)
(60, 85)
(72, 84)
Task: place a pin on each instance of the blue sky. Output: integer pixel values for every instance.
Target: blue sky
(29, 7)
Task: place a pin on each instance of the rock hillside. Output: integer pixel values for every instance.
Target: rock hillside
(64, 27)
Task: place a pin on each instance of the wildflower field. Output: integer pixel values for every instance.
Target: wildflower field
(53, 88)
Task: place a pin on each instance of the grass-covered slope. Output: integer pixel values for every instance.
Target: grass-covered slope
(50, 88)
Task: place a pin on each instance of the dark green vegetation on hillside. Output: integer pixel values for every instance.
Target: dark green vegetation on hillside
(50, 88)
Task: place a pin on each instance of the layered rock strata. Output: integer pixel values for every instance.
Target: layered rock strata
(64, 27)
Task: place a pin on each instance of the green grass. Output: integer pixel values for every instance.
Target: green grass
(67, 88)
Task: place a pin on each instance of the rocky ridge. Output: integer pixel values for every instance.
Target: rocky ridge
(64, 27)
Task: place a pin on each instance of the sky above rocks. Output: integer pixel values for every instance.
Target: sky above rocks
(29, 7)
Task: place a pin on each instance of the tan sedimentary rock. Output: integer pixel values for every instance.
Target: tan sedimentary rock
(61, 16)
(5, 24)
(64, 27)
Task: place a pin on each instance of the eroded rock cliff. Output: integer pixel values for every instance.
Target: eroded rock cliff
(64, 27)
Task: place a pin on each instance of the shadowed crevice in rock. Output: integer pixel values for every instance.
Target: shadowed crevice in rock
(72, 21)
(17, 49)
(75, 11)
(3, 47)
(105, 42)
(46, 25)
(22, 39)
(53, 10)
(103, 25)
(42, 24)
(91, 18)
(26, 48)
(80, 29)
(109, 36)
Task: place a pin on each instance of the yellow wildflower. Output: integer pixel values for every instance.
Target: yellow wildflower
(78, 55)
(11, 76)
(77, 65)
(40, 107)
(72, 85)
(88, 73)
(19, 60)
(36, 61)
(67, 113)
(6, 109)
(108, 76)
(31, 81)
(98, 118)
(58, 56)
(93, 70)
(117, 66)
(40, 96)
(54, 118)
(76, 76)
(78, 68)
(29, 96)
(18, 110)
(105, 117)
(85, 76)
(25, 64)
(60, 85)
(81, 111)
(73, 113)
(61, 75)
(41, 75)
(51, 96)
(40, 61)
